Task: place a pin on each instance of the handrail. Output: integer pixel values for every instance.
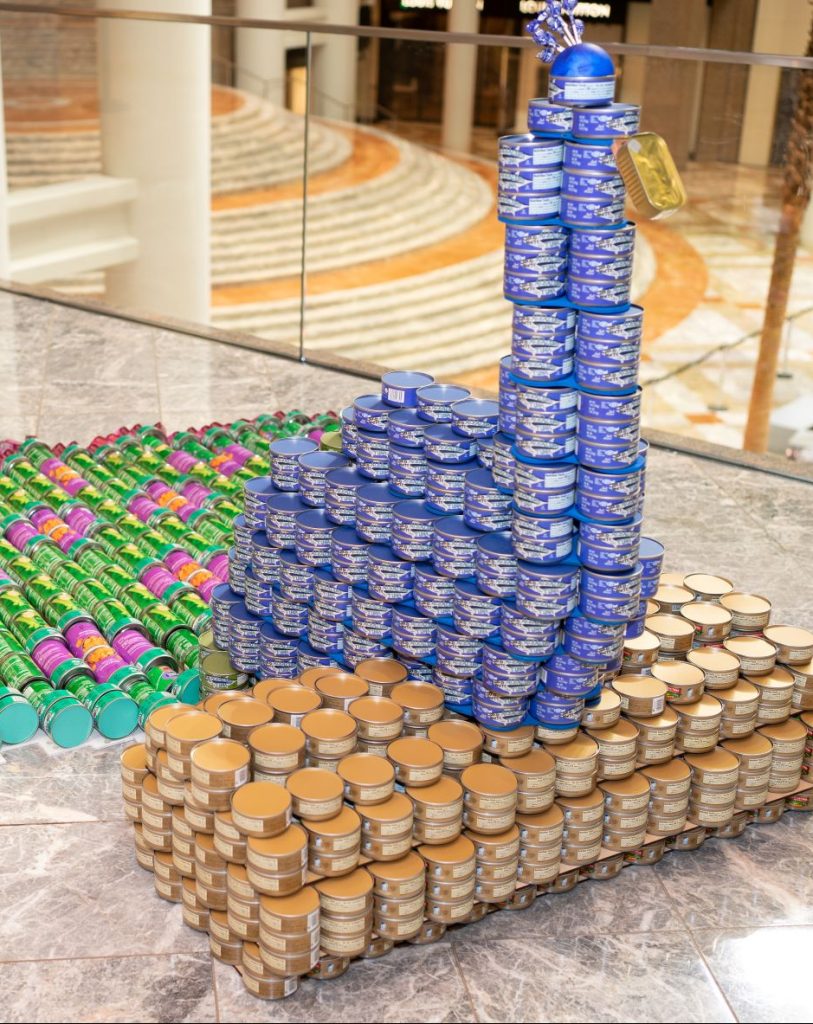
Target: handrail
(695, 53)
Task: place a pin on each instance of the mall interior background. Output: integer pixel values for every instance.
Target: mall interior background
(160, 167)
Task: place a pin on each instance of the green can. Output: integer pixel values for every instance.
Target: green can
(12, 603)
(112, 618)
(90, 593)
(41, 589)
(20, 469)
(111, 538)
(72, 672)
(67, 721)
(18, 499)
(35, 450)
(126, 677)
(9, 645)
(143, 688)
(174, 591)
(161, 623)
(170, 475)
(116, 579)
(218, 673)
(109, 509)
(92, 559)
(132, 559)
(331, 442)
(156, 544)
(49, 558)
(175, 529)
(18, 720)
(7, 550)
(19, 669)
(186, 687)
(151, 702)
(182, 644)
(227, 511)
(207, 643)
(69, 575)
(118, 488)
(215, 531)
(24, 568)
(132, 527)
(155, 657)
(82, 687)
(137, 599)
(196, 544)
(194, 611)
(161, 678)
(115, 714)
(36, 689)
(31, 629)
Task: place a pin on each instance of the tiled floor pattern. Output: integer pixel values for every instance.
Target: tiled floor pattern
(721, 934)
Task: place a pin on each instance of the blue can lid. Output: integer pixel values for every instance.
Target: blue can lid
(482, 478)
(289, 557)
(323, 460)
(414, 510)
(650, 549)
(259, 539)
(478, 408)
(455, 526)
(379, 494)
(453, 469)
(443, 432)
(224, 593)
(292, 446)
(428, 570)
(371, 403)
(447, 629)
(259, 486)
(287, 501)
(442, 394)
(408, 612)
(407, 418)
(347, 476)
(269, 632)
(496, 543)
(347, 535)
(384, 553)
(470, 589)
(239, 522)
(242, 614)
(314, 519)
(407, 379)
(324, 575)
(348, 414)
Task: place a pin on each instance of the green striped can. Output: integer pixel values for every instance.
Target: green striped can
(134, 560)
(111, 538)
(93, 559)
(137, 599)
(182, 644)
(194, 611)
(49, 557)
(132, 527)
(69, 575)
(17, 668)
(143, 688)
(82, 687)
(72, 671)
(66, 720)
(116, 579)
(161, 623)
(155, 658)
(24, 568)
(112, 617)
(31, 629)
(91, 593)
(12, 603)
(115, 714)
(186, 687)
(41, 589)
(151, 702)
(161, 678)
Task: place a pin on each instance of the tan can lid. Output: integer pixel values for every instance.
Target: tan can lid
(646, 641)
(633, 785)
(299, 904)
(672, 579)
(456, 852)
(161, 717)
(194, 727)
(314, 784)
(535, 762)
(618, 733)
(365, 770)
(415, 752)
(382, 670)
(342, 685)
(347, 887)
(701, 613)
(679, 673)
(134, 757)
(310, 676)
(787, 731)
(642, 687)
(579, 748)
(789, 636)
(706, 707)
(394, 808)
(245, 713)
(777, 679)
(456, 734)
(276, 738)
(807, 718)
(294, 700)
(713, 659)
(265, 687)
(668, 593)
(665, 720)
(750, 746)
(489, 780)
(328, 724)
(261, 800)
(669, 625)
(608, 701)
(675, 770)
(545, 819)
(717, 760)
(740, 693)
(444, 791)
(417, 696)
(291, 841)
(400, 870)
(745, 604)
(582, 803)
(220, 755)
(216, 700)
(749, 647)
(345, 823)
(380, 710)
(703, 583)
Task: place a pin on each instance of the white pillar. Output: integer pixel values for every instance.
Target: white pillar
(333, 84)
(527, 87)
(460, 79)
(155, 99)
(5, 259)
(260, 52)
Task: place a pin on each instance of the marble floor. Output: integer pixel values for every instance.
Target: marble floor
(720, 934)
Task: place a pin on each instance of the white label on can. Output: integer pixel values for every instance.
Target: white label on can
(330, 903)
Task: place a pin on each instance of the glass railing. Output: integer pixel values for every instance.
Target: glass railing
(312, 189)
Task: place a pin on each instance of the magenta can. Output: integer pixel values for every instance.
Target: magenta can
(88, 644)
(177, 559)
(80, 519)
(218, 565)
(143, 507)
(239, 453)
(196, 493)
(158, 579)
(205, 587)
(49, 654)
(129, 644)
(21, 532)
(182, 461)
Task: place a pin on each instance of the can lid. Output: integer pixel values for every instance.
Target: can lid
(711, 586)
(328, 724)
(417, 696)
(456, 734)
(365, 770)
(220, 755)
(407, 867)
(299, 904)
(749, 647)
(290, 841)
(756, 744)
(678, 673)
(745, 604)
(713, 659)
(70, 725)
(675, 770)
(345, 823)
(634, 785)
(456, 852)
(415, 752)
(186, 687)
(789, 730)
(490, 779)
(276, 738)
(18, 720)
(381, 710)
(618, 733)
(115, 714)
(395, 808)
(535, 762)
(294, 700)
(246, 714)
(347, 887)
(579, 748)
(69, 669)
(261, 800)
(703, 613)
(789, 636)
(445, 791)
(193, 726)
(134, 757)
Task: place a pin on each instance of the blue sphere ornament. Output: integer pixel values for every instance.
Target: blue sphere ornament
(582, 75)
(584, 60)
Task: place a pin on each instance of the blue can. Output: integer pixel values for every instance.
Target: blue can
(546, 591)
(407, 471)
(475, 417)
(528, 207)
(348, 428)
(502, 464)
(568, 676)
(284, 455)
(258, 595)
(435, 401)
(264, 558)
(495, 565)
(624, 326)
(607, 609)
(242, 537)
(374, 505)
(485, 506)
(529, 179)
(581, 212)
(523, 151)
(598, 294)
(651, 555)
(308, 657)
(358, 648)
(413, 634)
(530, 287)
(525, 636)
(501, 715)
(544, 238)
(433, 594)
(443, 444)
(281, 513)
(543, 371)
(580, 626)
(607, 431)
(541, 539)
(445, 486)
(223, 597)
(348, 555)
(617, 585)
(606, 456)
(635, 627)
(389, 578)
(532, 261)
(290, 617)
(371, 413)
(405, 427)
(606, 269)
(508, 420)
(475, 613)
(457, 654)
(325, 635)
(412, 524)
(617, 243)
(278, 654)
(312, 537)
(417, 670)
(609, 547)
(400, 387)
(331, 596)
(649, 586)
(534, 399)
(617, 408)
(340, 494)
(581, 76)
(527, 347)
(456, 689)
(578, 156)
(256, 493)
(542, 503)
(606, 509)
(613, 121)
(584, 185)
(554, 709)
(237, 574)
(371, 618)
(609, 485)
(548, 118)
(542, 489)
(453, 547)
(372, 455)
(621, 353)
(498, 663)
(531, 444)
(244, 634)
(313, 467)
(485, 452)
(592, 649)
(550, 321)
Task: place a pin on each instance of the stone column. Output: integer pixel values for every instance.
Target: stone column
(260, 53)
(460, 79)
(334, 80)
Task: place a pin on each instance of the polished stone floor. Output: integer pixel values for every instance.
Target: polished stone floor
(721, 934)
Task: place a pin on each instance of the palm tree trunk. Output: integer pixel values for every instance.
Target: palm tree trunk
(795, 198)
